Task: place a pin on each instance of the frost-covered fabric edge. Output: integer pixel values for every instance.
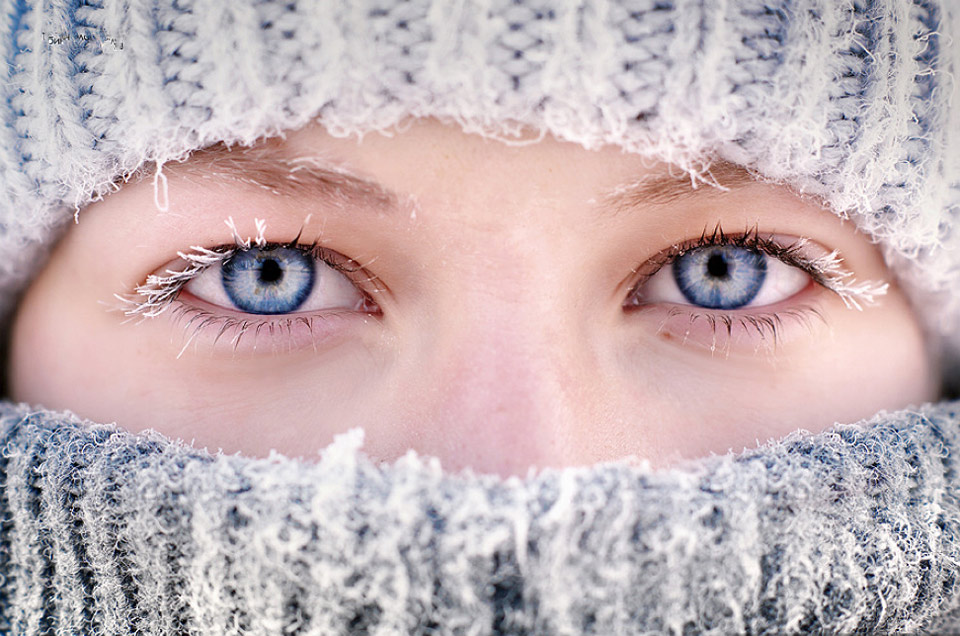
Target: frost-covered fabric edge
(854, 530)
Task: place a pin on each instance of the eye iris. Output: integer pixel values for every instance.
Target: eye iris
(720, 277)
(268, 281)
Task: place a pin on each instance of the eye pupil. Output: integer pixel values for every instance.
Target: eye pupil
(717, 266)
(270, 271)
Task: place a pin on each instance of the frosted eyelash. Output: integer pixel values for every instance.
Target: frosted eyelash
(827, 270)
(244, 243)
(153, 296)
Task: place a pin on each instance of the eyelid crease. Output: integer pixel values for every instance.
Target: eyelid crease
(827, 270)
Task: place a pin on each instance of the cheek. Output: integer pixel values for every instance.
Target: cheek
(877, 362)
(861, 363)
(68, 352)
(58, 355)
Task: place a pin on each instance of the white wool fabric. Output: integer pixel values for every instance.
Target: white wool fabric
(852, 531)
(853, 101)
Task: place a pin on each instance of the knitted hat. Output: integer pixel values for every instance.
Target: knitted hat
(852, 101)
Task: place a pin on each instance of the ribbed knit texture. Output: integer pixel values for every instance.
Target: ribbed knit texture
(855, 530)
(851, 100)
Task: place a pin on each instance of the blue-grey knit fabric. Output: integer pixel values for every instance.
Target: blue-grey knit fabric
(854, 530)
(850, 100)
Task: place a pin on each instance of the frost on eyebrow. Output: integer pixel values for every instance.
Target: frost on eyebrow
(272, 168)
(676, 185)
(152, 297)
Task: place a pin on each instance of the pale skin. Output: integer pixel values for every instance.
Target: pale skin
(500, 333)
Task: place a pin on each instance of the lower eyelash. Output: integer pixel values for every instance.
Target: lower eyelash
(194, 320)
(767, 325)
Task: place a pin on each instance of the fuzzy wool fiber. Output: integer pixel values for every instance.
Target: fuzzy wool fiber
(854, 530)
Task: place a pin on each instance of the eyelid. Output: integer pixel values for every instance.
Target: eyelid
(155, 295)
(825, 267)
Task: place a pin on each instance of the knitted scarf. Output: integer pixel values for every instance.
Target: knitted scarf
(854, 530)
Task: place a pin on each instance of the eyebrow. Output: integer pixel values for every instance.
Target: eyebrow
(666, 189)
(269, 167)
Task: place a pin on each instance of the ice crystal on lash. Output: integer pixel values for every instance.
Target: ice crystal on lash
(853, 293)
(153, 296)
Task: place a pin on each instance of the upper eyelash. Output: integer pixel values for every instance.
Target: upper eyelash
(827, 270)
(152, 297)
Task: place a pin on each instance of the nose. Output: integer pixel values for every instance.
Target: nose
(509, 380)
(503, 407)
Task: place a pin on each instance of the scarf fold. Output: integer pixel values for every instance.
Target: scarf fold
(854, 530)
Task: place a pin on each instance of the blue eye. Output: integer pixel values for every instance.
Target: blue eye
(268, 281)
(721, 277)
(275, 280)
